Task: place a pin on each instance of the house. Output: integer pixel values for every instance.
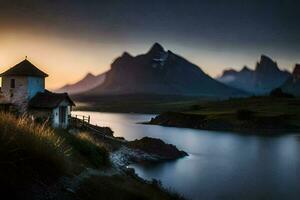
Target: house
(23, 89)
(4, 103)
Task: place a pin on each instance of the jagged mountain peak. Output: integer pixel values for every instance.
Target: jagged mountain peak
(262, 80)
(292, 85)
(89, 75)
(156, 48)
(265, 58)
(297, 68)
(88, 82)
(266, 64)
(123, 59)
(246, 69)
(228, 72)
(126, 55)
(296, 71)
(160, 72)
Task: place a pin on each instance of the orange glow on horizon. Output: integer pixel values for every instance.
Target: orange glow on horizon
(67, 60)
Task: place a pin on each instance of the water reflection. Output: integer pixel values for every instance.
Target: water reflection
(220, 165)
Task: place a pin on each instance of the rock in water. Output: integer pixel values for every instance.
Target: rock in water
(157, 147)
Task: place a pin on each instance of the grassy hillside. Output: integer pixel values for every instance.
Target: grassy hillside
(261, 106)
(121, 187)
(32, 153)
(254, 114)
(38, 162)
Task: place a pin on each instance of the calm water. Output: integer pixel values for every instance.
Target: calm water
(221, 165)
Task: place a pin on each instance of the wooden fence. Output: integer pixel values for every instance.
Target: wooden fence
(80, 120)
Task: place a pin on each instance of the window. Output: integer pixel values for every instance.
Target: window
(12, 83)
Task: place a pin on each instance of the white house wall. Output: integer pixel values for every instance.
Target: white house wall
(56, 114)
(56, 117)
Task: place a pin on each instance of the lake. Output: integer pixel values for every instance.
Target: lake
(221, 165)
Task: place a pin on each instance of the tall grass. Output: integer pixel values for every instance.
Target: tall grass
(33, 153)
(123, 187)
(29, 146)
(86, 149)
(28, 149)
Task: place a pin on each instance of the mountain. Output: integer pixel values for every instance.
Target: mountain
(239, 79)
(262, 80)
(292, 85)
(159, 72)
(88, 82)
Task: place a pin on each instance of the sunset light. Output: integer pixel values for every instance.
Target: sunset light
(149, 99)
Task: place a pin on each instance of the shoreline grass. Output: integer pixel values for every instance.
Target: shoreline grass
(31, 151)
(35, 157)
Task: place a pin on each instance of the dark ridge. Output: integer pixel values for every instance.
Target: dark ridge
(246, 69)
(156, 48)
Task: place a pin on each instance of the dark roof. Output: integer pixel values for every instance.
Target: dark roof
(49, 100)
(24, 68)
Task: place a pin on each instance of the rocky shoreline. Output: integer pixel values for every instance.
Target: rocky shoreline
(145, 150)
(123, 152)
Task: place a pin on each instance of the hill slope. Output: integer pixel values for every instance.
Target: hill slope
(262, 80)
(88, 82)
(38, 162)
(253, 115)
(159, 72)
(292, 85)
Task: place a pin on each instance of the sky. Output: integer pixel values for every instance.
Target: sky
(69, 38)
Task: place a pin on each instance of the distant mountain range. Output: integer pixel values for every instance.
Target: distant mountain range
(159, 72)
(88, 82)
(292, 85)
(262, 80)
